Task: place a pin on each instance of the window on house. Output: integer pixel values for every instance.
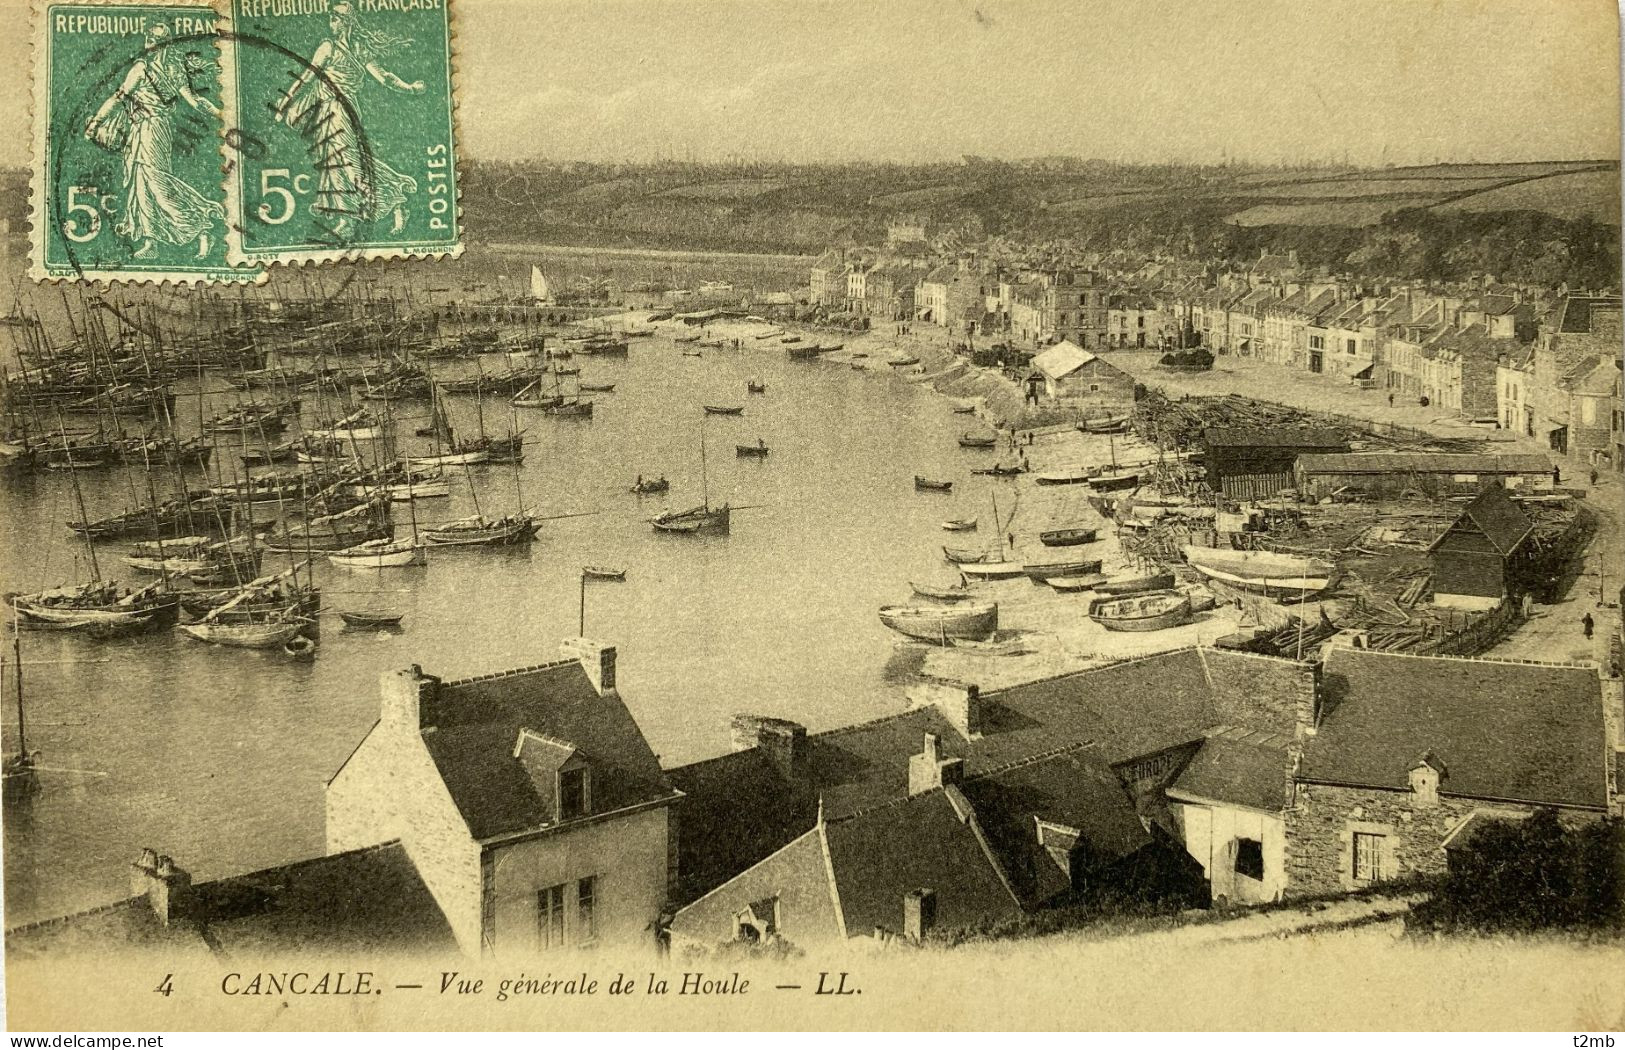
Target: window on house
(1351, 345)
(550, 917)
(572, 793)
(1142, 322)
(1588, 411)
(587, 909)
(1094, 388)
(1250, 858)
(1368, 856)
(1317, 342)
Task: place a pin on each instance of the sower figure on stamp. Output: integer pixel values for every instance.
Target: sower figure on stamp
(325, 100)
(138, 120)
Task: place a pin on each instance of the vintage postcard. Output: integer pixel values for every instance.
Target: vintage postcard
(127, 126)
(342, 140)
(778, 514)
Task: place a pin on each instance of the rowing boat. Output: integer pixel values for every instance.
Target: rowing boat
(725, 410)
(959, 524)
(1057, 569)
(1287, 577)
(940, 623)
(993, 570)
(602, 572)
(965, 556)
(957, 593)
(1151, 611)
(1135, 584)
(932, 485)
(379, 554)
(1067, 537)
(365, 619)
(977, 440)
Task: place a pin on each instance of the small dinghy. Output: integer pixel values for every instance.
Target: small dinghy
(941, 623)
(956, 593)
(925, 484)
(367, 619)
(602, 572)
(1151, 611)
(977, 440)
(960, 524)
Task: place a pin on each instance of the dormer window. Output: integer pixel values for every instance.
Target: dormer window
(574, 800)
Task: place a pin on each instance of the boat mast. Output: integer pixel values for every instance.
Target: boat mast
(79, 497)
(705, 489)
(17, 658)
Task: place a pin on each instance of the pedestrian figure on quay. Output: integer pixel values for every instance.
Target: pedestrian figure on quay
(1012, 539)
(1588, 623)
(1390, 399)
(1593, 475)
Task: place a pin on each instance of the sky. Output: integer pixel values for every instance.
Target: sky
(1367, 81)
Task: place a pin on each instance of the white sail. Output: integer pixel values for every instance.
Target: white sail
(538, 286)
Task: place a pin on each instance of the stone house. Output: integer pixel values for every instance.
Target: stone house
(528, 801)
(1578, 329)
(1073, 374)
(1133, 321)
(1046, 789)
(1405, 751)
(1384, 475)
(826, 284)
(1514, 392)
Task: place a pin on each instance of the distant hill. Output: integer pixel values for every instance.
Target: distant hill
(1542, 222)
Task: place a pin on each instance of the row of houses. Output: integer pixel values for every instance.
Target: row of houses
(524, 812)
(1548, 368)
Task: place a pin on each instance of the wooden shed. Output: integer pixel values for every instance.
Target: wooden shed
(1258, 462)
(1385, 474)
(1479, 561)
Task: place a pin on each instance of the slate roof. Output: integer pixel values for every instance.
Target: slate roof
(477, 725)
(1577, 311)
(1074, 789)
(1494, 514)
(1506, 731)
(1273, 437)
(739, 807)
(1423, 463)
(920, 842)
(1242, 767)
(365, 901)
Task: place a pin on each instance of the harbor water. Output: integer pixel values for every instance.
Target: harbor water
(218, 756)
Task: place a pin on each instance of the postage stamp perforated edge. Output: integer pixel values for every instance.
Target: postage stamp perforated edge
(38, 102)
(316, 255)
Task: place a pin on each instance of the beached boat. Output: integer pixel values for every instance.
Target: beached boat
(770, 333)
(1057, 569)
(758, 449)
(993, 570)
(1067, 537)
(1286, 577)
(366, 619)
(962, 410)
(1106, 425)
(959, 524)
(1136, 582)
(932, 485)
(602, 572)
(1068, 476)
(725, 410)
(597, 388)
(692, 353)
(791, 339)
(977, 440)
(480, 531)
(903, 362)
(808, 352)
(1074, 584)
(956, 593)
(942, 623)
(379, 554)
(1151, 611)
(714, 344)
(1115, 482)
(999, 471)
(686, 337)
(966, 555)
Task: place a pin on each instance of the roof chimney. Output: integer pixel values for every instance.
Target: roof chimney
(408, 698)
(929, 770)
(962, 706)
(167, 888)
(597, 659)
(919, 913)
(783, 742)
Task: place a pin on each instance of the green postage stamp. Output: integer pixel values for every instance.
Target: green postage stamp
(339, 140)
(179, 141)
(127, 137)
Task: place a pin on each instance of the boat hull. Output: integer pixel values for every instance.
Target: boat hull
(942, 623)
(1153, 611)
